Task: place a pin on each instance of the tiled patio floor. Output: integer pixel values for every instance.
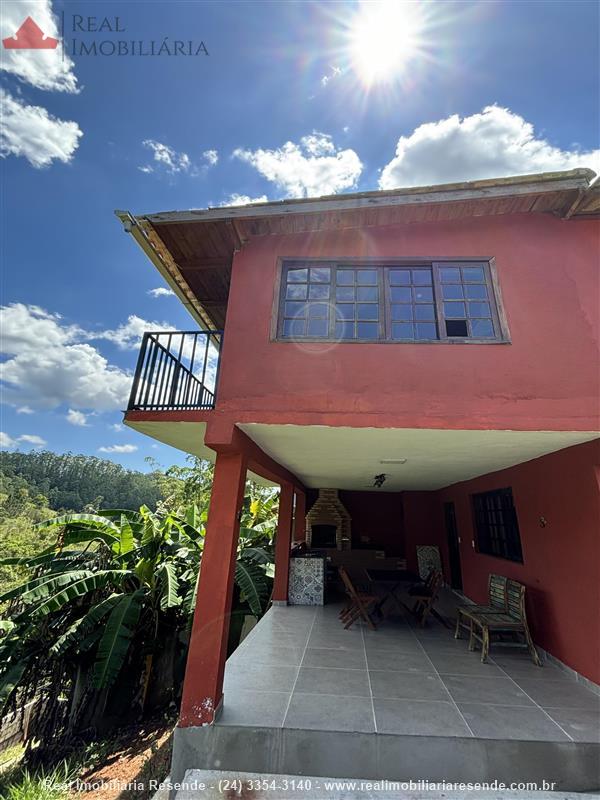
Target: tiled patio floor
(299, 669)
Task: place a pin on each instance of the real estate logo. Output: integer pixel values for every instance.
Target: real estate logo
(30, 37)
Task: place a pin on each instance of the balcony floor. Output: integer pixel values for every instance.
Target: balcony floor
(299, 668)
(303, 696)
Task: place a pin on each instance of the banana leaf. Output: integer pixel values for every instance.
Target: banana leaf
(115, 641)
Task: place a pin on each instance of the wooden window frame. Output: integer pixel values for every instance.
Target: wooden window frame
(488, 263)
(514, 548)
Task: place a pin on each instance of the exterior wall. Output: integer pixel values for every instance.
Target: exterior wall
(545, 380)
(561, 566)
(424, 525)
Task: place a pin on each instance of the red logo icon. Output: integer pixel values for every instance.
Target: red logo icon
(30, 37)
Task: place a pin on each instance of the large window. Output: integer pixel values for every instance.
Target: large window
(439, 301)
(496, 525)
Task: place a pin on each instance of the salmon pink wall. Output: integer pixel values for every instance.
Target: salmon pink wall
(545, 380)
(561, 561)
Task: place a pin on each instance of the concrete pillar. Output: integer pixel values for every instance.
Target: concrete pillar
(300, 517)
(203, 684)
(283, 543)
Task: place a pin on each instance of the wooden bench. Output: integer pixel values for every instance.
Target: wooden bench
(513, 621)
(496, 603)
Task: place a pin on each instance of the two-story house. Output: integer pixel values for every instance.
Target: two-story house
(432, 354)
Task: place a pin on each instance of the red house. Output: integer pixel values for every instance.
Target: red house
(431, 353)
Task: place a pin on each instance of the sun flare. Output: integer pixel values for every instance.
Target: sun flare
(384, 36)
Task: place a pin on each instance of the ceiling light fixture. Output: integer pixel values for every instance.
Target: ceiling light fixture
(393, 461)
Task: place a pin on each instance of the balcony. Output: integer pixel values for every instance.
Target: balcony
(176, 371)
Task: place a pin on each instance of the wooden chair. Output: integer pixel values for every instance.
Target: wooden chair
(496, 603)
(513, 621)
(360, 604)
(425, 598)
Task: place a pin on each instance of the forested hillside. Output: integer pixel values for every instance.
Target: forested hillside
(72, 482)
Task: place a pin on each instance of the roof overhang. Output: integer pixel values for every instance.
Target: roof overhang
(193, 250)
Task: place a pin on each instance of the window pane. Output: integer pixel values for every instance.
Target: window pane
(473, 274)
(366, 277)
(426, 330)
(482, 328)
(424, 312)
(367, 311)
(454, 310)
(318, 310)
(297, 275)
(452, 292)
(367, 330)
(456, 327)
(318, 292)
(295, 310)
(449, 274)
(293, 327)
(344, 293)
(399, 277)
(296, 291)
(423, 294)
(476, 292)
(318, 327)
(398, 295)
(344, 330)
(404, 311)
(402, 330)
(479, 310)
(344, 277)
(421, 277)
(319, 274)
(345, 311)
(367, 293)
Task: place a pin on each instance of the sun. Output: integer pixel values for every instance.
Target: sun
(384, 36)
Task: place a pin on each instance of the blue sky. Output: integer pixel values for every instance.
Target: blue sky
(292, 99)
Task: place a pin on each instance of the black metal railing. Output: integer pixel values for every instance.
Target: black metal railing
(176, 370)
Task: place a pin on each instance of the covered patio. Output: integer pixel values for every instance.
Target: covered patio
(303, 696)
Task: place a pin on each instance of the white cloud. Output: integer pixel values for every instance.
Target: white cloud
(119, 448)
(51, 70)
(161, 292)
(25, 410)
(8, 442)
(492, 144)
(244, 200)
(77, 418)
(32, 132)
(117, 427)
(313, 167)
(167, 158)
(128, 336)
(211, 157)
(333, 73)
(50, 364)
(32, 439)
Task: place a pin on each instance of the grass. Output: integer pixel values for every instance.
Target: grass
(24, 785)
(13, 753)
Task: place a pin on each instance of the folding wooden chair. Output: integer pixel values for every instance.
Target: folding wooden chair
(425, 598)
(360, 604)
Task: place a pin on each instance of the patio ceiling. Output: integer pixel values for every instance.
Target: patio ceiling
(349, 458)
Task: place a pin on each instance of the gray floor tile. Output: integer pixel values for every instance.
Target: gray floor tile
(559, 694)
(501, 691)
(319, 712)
(582, 724)
(343, 682)
(407, 685)
(511, 722)
(525, 669)
(268, 654)
(397, 644)
(325, 657)
(465, 665)
(399, 661)
(345, 640)
(249, 707)
(419, 718)
(248, 676)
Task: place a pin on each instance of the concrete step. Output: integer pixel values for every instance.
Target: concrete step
(221, 785)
